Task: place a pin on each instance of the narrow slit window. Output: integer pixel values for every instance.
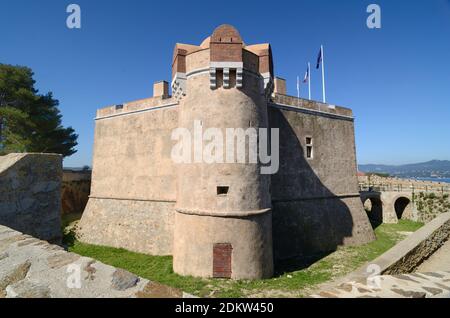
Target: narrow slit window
(309, 148)
(219, 77)
(232, 77)
(222, 190)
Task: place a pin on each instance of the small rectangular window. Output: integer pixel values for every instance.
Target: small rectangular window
(118, 107)
(222, 190)
(309, 148)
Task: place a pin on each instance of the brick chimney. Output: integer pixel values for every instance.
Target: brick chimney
(161, 89)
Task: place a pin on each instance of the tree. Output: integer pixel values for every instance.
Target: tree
(30, 122)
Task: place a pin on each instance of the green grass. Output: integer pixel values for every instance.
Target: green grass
(291, 283)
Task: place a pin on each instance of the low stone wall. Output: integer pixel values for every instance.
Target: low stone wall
(392, 275)
(410, 253)
(31, 268)
(407, 255)
(404, 183)
(30, 194)
(76, 187)
(139, 226)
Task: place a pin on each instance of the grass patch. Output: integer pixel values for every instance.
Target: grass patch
(291, 283)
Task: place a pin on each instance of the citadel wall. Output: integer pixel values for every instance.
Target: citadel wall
(316, 204)
(133, 190)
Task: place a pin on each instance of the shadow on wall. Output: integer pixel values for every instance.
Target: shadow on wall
(309, 229)
(76, 188)
(30, 194)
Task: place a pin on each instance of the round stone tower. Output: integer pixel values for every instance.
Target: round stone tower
(223, 218)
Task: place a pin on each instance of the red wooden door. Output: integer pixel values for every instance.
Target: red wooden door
(222, 260)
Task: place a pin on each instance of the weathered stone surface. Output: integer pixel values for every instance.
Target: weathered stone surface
(30, 194)
(27, 289)
(432, 290)
(327, 295)
(90, 270)
(409, 293)
(122, 280)
(17, 273)
(433, 275)
(27, 242)
(405, 277)
(443, 286)
(62, 259)
(156, 290)
(4, 243)
(397, 286)
(41, 270)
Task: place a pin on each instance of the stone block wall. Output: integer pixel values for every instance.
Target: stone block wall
(30, 194)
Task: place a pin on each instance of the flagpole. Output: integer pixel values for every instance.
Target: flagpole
(298, 87)
(309, 80)
(323, 74)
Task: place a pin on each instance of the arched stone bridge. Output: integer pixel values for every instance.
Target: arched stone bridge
(389, 206)
(388, 202)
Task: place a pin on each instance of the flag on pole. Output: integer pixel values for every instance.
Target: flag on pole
(319, 58)
(298, 86)
(306, 78)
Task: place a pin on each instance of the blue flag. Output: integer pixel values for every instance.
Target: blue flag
(319, 58)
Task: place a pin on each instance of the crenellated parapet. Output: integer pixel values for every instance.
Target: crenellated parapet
(227, 60)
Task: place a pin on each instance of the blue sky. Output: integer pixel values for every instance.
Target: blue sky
(396, 79)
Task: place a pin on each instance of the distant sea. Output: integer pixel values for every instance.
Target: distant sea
(446, 180)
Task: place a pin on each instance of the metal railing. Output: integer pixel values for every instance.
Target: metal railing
(404, 188)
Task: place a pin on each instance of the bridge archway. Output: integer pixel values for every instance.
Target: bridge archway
(403, 207)
(374, 210)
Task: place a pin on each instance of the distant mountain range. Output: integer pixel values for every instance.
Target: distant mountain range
(430, 169)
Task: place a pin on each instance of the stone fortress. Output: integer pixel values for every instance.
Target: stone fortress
(224, 220)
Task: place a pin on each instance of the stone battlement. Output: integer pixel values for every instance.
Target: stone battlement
(293, 101)
(135, 106)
